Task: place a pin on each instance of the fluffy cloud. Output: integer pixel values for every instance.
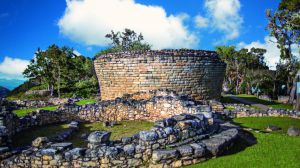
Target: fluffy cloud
(225, 17)
(201, 21)
(12, 68)
(272, 55)
(88, 21)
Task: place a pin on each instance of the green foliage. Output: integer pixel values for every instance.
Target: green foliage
(243, 67)
(62, 72)
(274, 149)
(284, 26)
(86, 88)
(125, 41)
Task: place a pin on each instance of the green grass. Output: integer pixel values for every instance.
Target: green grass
(226, 99)
(23, 112)
(86, 101)
(274, 149)
(282, 106)
(230, 108)
(122, 129)
(26, 137)
(272, 104)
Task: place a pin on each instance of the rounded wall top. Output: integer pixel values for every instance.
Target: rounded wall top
(173, 52)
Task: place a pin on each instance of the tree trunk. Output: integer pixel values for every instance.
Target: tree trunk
(58, 82)
(51, 90)
(248, 88)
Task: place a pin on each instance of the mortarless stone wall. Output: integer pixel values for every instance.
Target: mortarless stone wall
(196, 73)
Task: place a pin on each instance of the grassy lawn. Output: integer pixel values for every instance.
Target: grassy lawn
(274, 149)
(272, 104)
(86, 101)
(23, 112)
(26, 137)
(226, 99)
(123, 129)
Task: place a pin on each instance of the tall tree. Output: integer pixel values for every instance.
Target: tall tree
(284, 25)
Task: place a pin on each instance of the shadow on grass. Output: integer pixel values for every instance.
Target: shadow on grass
(245, 139)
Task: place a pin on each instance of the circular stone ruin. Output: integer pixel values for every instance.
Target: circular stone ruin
(186, 135)
(197, 73)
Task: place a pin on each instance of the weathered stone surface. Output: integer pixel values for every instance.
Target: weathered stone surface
(199, 150)
(129, 149)
(49, 151)
(293, 131)
(271, 128)
(40, 142)
(148, 135)
(62, 146)
(159, 155)
(99, 137)
(185, 150)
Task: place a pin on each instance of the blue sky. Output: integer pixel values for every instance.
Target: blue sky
(26, 25)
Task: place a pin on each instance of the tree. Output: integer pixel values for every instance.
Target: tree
(242, 67)
(284, 25)
(60, 68)
(126, 41)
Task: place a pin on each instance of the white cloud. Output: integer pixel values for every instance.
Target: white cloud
(272, 55)
(76, 53)
(89, 20)
(12, 68)
(225, 17)
(201, 21)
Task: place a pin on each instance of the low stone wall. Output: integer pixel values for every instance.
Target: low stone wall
(10, 123)
(38, 92)
(162, 104)
(39, 103)
(283, 99)
(173, 142)
(241, 110)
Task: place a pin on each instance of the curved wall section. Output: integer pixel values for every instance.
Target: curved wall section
(196, 73)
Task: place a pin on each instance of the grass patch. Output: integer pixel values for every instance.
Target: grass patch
(86, 101)
(260, 123)
(275, 149)
(230, 108)
(226, 99)
(123, 129)
(272, 104)
(282, 106)
(23, 112)
(26, 137)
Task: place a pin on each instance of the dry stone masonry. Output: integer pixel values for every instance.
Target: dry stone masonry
(172, 142)
(197, 73)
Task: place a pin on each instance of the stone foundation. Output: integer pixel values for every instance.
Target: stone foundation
(173, 142)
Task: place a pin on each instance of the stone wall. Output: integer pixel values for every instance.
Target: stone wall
(189, 72)
(161, 104)
(172, 142)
